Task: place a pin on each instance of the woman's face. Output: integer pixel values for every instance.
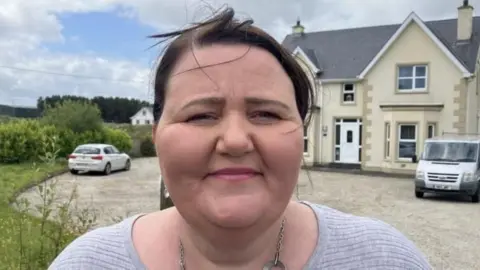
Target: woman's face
(230, 139)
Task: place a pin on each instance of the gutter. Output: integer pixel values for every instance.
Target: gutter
(345, 80)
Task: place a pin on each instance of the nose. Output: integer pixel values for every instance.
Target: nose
(235, 137)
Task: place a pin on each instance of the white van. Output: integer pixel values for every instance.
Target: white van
(449, 164)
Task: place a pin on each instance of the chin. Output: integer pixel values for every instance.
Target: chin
(235, 212)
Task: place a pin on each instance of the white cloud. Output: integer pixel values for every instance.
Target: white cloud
(27, 25)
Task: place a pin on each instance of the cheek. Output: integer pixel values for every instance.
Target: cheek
(181, 152)
(282, 153)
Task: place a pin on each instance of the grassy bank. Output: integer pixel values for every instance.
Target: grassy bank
(139, 134)
(135, 131)
(21, 245)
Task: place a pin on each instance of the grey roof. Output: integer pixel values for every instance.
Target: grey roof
(149, 109)
(344, 54)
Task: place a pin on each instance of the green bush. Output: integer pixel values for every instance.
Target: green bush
(24, 140)
(119, 138)
(147, 148)
(77, 116)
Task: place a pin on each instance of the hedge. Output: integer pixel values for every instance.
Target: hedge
(25, 140)
(147, 148)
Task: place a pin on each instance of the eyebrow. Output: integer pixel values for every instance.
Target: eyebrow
(220, 101)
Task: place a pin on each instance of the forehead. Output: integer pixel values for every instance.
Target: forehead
(228, 67)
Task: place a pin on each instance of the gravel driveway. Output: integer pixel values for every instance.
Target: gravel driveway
(446, 229)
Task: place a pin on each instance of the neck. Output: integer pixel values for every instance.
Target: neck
(211, 246)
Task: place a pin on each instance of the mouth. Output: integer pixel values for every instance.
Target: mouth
(235, 174)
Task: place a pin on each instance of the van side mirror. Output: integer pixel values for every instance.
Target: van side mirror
(414, 159)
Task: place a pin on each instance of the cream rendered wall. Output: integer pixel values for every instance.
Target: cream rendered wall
(472, 106)
(333, 108)
(473, 114)
(412, 47)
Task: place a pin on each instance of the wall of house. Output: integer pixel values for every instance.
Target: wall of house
(474, 94)
(141, 119)
(333, 108)
(472, 105)
(445, 86)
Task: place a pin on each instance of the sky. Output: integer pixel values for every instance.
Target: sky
(100, 47)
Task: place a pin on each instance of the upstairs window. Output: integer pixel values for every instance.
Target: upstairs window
(348, 93)
(412, 78)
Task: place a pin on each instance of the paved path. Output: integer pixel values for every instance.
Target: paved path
(447, 230)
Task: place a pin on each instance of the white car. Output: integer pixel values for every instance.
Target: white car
(98, 158)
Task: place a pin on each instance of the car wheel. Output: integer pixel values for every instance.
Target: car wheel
(74, 172)
(419, 194)
(128, 164)
(108, 169)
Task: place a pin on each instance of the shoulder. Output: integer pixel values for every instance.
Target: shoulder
(366, 243)
(102, 248)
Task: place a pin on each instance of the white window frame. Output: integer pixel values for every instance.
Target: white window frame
(406, 140)
(345, 91)
(388, 134)
(434, 130)
(305, 140)
(413, 78)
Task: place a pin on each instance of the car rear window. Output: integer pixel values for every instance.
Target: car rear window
(87, 151)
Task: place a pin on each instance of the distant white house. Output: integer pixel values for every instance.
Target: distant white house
(143, 117)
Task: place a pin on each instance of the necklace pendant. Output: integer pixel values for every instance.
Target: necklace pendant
(272, 266)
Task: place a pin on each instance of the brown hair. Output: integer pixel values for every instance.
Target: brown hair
(223, 28)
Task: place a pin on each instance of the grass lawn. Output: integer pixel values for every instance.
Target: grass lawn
(13, 178)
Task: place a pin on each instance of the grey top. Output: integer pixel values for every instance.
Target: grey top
(345, 242)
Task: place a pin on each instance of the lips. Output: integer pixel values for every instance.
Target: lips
(235, 174)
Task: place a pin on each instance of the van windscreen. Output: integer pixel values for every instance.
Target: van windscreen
(451, 151)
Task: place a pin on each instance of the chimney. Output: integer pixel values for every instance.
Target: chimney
(298, 29)
(465, 21)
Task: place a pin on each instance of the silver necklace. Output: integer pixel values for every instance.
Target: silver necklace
(275, 263)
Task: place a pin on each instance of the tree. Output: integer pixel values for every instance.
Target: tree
(78, 116)
(113, 109)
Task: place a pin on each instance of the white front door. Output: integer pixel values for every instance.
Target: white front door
(349, 142)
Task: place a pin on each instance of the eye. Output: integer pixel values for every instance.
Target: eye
(201, 118)
(265, 116)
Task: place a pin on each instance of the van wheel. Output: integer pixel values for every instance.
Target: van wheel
(475, 197)
(75, 172)
(419, 194)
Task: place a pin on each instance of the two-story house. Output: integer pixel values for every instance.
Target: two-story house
(143, 117)
(383, 90)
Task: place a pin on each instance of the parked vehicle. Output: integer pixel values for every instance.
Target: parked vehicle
(449, 164)
(98, 158)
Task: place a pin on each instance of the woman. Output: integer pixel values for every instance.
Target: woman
(230, 104)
